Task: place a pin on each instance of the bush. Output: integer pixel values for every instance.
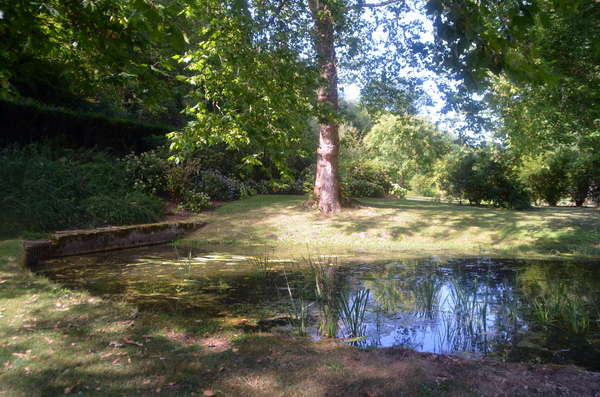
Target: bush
(378, 176)
(148, 172)
(44, 190)
(398, 191)
(196, 202)
(564, 173)
(423, 185)
(484, 177)
(216, 185)
(131, 208)
(243, 189)
(365, 189)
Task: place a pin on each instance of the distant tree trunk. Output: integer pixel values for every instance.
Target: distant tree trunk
(327, 184)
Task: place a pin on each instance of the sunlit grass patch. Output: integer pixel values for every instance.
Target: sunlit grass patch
(403, 226)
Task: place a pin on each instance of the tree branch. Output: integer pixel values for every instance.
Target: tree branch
(374, 5)
(277, 12)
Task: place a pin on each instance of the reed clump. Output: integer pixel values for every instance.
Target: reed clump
(563, 303)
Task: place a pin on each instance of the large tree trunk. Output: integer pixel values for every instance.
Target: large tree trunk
(327, 184)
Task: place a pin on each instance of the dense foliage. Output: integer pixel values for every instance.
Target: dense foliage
(257, 83)
(25, 122)
(44, 190)
(106, 55)
(484, 176)
(563, 174)
(406, 145)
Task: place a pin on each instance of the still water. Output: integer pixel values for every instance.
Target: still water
(512, 310)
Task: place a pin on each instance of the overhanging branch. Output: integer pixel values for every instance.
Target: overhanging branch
(374, 5)
(277, 11)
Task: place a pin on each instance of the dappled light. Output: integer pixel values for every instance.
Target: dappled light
(405, 225)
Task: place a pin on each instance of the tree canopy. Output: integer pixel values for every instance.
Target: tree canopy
(406, 145)
(256, 73)
(77, 54)
(564, 111)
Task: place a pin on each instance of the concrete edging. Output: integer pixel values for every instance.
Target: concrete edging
(76, 242)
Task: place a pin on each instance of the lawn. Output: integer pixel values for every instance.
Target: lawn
(404, 227)
(55, 341)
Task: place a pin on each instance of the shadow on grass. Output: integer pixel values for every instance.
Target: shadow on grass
(54, 341)
(551, 228)
(417, 225)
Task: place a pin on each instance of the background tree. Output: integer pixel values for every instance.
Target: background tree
(393, 95)
(554, 122)
(563, 173)
(484, 175)
(406, 145)
(564, 110)
(260, 71)
(333, 24)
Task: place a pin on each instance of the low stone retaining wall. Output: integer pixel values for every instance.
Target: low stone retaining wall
(76, 242)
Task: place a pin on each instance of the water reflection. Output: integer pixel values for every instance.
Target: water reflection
(513, 310)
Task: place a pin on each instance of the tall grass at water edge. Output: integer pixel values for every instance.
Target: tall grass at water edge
(336, 301)
(426, 290)
(261, 265)
(565, 304)
(314, 290)
(297, 302)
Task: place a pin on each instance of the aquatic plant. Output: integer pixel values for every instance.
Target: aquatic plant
(387, 293)
(352, 310)
(298, 304)
(464, 324)
(465, 303)
(261, 265)
(562, 303)
(510, 298)
(426, 290)
(320, 274)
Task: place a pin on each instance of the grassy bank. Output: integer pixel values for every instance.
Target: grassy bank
(404, 227)
(59, 342)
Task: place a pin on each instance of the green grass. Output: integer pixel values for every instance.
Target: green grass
(403, 227)
(55, 341)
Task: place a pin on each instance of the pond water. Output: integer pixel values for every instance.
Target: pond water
(513, 310)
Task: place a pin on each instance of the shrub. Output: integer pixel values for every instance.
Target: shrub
(423, 185)
(378, 176)
(365, 189)
(263, 187)
(398, 191)
(43, 190)
(564, 173)
(244, 188)
(215, 184)
(196, 202)
(148, 172)
(296, 187)
(480, 177)
(130, 208)
(306, 180)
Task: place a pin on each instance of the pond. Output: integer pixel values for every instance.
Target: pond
(536, 311)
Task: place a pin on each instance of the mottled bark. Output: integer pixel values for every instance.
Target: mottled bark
(327, 184)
